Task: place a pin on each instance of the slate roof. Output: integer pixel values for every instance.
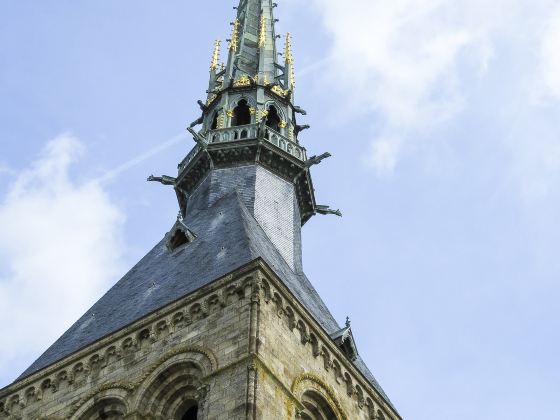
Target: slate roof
(162, 277)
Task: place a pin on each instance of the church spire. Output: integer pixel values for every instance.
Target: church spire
(252, 51)
(249, 118)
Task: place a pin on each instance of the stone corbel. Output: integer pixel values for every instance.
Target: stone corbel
(349, 384)
(326, 359)
(256, 292)
(222, 299)
(314, 345)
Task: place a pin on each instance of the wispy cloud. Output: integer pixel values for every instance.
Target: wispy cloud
(400, 59)
(415, 66)
(313, 68)
(137, 160)
(383, 154)
(60, 247)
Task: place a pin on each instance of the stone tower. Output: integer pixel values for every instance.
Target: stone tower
(218, 321)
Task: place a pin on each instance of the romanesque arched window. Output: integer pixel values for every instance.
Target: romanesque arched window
(273, 119)
(174, 393)
(110, 409)
(241, 114)
(316, 407)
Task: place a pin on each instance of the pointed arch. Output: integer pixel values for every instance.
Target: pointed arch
(241, 113)
(273, 119)
(276, 119)
(215, 117)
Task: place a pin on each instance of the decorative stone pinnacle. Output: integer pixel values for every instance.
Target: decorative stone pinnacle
(288, 54)
(348, 323)
(215, 56)
(289, 62)
(234, 41)
(262, 32)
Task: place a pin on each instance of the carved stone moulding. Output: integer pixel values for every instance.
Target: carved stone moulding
(334, 361)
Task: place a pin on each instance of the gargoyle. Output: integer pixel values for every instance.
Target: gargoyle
(299, 110)
(197, 122)
(199, 138)
(164, 179)
(200, 120)
(315, 160)
(202, 106)
(327, 210)
(300, 128)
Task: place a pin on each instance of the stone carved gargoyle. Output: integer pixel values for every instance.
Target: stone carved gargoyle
(315, 160)
(327, 210)
(164, 179)
(198, 138)
(300, 128)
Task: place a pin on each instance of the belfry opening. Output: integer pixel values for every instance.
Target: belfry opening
(273, 119)
(191, 413)
(241, 114)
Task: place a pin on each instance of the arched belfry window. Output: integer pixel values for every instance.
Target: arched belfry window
(316, 407)
(175, 393)
(241, 114)
(190, 413)
(273, 119)
(111, 409)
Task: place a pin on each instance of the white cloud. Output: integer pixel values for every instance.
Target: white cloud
(417, 64)
(60, 246)
(398, 51)
(404, 55)
(384, 154)
(549, 75)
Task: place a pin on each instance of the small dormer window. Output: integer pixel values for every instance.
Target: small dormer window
(178, 239)
(345, 342)
(179, 236)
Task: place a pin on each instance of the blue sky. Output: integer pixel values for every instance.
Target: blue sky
(442, 118)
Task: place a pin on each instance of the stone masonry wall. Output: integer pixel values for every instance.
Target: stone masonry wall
(206, 334)
(241, 347)
(298, 356)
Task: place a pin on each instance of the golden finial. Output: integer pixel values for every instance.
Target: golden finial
(262, 32)
(215, 55)
(234, 41)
